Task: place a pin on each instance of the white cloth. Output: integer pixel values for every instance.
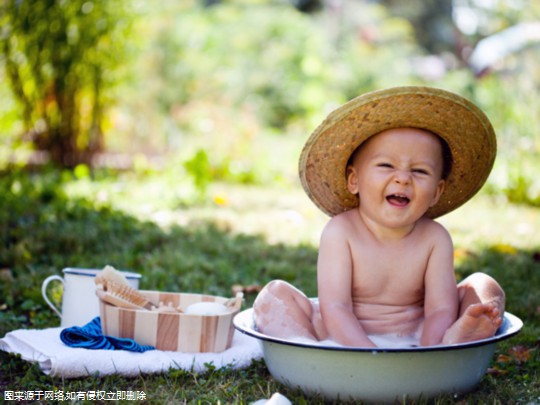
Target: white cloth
(55, 358)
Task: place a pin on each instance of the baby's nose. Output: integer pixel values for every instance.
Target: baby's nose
(402, 177)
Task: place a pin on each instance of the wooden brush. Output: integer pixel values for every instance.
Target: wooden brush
(236, 302)
(123, 296)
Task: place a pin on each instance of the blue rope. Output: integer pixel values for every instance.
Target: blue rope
(90, 336)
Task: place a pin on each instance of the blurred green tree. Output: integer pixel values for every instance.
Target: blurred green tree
(60, 58)
(432, 21)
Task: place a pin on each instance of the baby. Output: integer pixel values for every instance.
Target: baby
(383, 166)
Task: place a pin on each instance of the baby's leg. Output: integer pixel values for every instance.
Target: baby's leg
(283, 311)
(481, 310)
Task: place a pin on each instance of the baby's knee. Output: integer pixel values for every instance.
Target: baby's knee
(279, 288)
(480, 278)
(485, 282)
(266, 298)
(481, 288)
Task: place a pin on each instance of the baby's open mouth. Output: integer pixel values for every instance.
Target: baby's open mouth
(398, 200)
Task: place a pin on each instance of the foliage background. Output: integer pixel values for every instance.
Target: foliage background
(179, 76)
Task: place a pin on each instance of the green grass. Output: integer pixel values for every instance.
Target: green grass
(241, 235)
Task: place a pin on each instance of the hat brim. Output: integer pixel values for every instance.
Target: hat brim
(464, 127)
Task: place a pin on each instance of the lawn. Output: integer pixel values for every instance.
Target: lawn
(243, 235)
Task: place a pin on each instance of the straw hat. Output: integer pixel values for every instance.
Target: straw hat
(465, 128)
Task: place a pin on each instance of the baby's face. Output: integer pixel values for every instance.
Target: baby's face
(397, 175)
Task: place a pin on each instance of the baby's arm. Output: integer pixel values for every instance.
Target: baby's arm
(334, 275)
(441, 297)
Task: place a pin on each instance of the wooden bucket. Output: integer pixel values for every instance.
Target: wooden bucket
(172, 331)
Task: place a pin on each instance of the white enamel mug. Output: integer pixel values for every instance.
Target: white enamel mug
(79, 302)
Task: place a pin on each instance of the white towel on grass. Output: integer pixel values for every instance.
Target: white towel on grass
(55, 358)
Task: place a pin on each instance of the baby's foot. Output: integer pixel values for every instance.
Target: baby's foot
(479, 321)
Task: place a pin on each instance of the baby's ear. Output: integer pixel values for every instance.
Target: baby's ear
(438, 192)
(352, 180)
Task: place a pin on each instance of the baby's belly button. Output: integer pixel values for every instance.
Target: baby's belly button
(391, 325)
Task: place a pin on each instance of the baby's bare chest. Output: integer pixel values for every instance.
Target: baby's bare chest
(395, 276)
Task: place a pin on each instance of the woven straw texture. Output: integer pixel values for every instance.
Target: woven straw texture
(171, 331)
(464, 126)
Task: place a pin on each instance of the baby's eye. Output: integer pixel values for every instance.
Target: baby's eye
(420, 171)
(383, 164)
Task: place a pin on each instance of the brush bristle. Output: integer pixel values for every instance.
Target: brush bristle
(110, 274)
(127, 293)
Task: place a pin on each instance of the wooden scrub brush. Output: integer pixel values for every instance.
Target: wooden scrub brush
(112, 287)
(123, 296)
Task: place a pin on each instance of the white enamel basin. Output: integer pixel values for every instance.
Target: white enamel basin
(377, 374)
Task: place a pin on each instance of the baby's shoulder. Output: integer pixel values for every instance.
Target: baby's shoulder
(340, 223)
(434, 229)
(344, 219)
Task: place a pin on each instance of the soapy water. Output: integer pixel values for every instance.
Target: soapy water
(386, 341)
(277, 319)
(393, 341)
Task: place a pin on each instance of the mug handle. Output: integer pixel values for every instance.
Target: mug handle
(44, 292)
